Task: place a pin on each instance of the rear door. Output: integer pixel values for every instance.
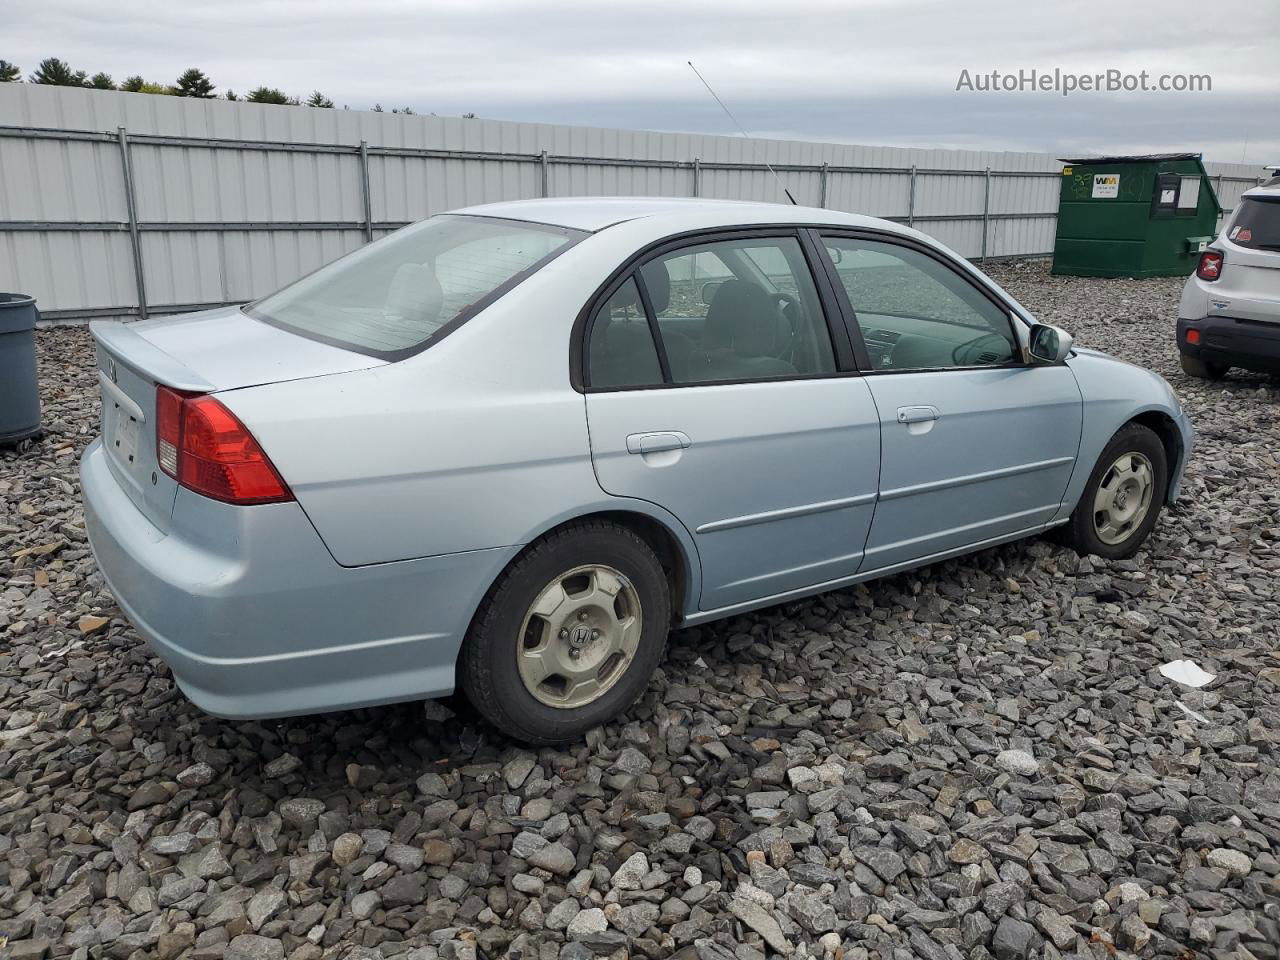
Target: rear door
(975, 444)
(735, 410)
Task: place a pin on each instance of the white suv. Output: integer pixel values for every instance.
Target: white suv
(1230, 312)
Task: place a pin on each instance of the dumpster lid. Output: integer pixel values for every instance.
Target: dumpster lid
(1133, 158)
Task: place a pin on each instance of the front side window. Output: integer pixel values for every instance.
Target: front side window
(738, 310)
(396, 293)
(915, 313)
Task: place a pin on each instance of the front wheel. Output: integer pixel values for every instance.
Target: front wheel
(1122, 499)
(569, 635)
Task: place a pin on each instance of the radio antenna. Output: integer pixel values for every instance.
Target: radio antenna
(741, 129)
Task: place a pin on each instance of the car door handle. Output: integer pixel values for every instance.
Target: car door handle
(657, 441)
(917, 414)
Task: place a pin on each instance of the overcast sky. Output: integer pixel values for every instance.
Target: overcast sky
(857, 71)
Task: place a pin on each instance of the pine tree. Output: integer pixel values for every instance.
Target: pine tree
(133, 84)
(56, 73)
(193, 83)
(9, 72)
(318, 99)
(102, 81)
(232, 95)
(267, 95)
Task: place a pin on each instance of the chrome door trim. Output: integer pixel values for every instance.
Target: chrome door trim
(729, 523)
(968, 478)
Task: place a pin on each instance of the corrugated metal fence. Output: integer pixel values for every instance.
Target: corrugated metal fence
(115, 204)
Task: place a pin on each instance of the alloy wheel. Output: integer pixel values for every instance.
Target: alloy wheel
(579, 636)
(1123, 498)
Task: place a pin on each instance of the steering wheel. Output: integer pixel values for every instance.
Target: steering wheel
(968, 354)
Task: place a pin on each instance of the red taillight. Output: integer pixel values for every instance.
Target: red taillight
(1210, 266)
(202, 445)
(1193, 337)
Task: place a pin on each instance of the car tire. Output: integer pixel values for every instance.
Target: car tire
(510, 642)
(1097, 525)
(1195, 367)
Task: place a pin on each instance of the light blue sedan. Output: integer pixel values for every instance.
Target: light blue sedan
(511, 447)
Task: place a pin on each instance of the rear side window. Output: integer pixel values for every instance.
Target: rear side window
(726, 311)
(622, 352)
(392, 296)
(1257, 225)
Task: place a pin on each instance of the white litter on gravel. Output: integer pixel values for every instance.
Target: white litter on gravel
(1186, 672)
(1191, 713)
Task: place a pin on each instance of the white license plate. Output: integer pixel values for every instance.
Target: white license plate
(122, 436)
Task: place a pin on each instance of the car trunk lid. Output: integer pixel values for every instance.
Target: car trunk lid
(207, 352)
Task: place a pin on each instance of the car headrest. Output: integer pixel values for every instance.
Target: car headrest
(658, 282)
(414, 293)
(742, 318)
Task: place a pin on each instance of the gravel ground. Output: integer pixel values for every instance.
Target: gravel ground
(978, 759)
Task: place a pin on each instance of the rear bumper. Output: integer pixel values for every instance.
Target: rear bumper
(255, 618)
(1233, 342)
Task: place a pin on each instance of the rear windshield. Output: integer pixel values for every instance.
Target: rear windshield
(391, 297)
(1257, 224)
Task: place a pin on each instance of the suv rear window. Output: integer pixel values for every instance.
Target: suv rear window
(1257, 225)
(390, 298)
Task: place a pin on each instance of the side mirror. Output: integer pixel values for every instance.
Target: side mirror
(1048, 344)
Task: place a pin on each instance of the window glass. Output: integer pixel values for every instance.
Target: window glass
(915, 313)
(397, 292)
(1257, 224)
(621, 352)
(739, 310)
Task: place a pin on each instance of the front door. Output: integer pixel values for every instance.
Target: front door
(713, 390)
(975, 444)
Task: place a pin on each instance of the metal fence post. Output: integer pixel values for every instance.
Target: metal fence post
(546, 180)
(911, 199)
(697, 177)
(131, 203)
(986, 212)
(366, 194)
(822, 185)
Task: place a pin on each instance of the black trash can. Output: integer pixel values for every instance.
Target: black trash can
(19, 395)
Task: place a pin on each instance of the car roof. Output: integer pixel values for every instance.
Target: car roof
(597, 213)
(1269, 189)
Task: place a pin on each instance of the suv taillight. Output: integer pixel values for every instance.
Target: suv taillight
(202, 445)
(1210, 265)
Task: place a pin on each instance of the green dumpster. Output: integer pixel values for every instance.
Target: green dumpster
(1136, 216)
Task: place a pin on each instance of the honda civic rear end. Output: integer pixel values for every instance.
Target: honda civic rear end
(204, 538)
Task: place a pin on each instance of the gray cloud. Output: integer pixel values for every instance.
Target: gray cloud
(859, 71)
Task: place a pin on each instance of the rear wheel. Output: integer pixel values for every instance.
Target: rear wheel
(1122, 499)
(1195, 367)
(569, 635)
